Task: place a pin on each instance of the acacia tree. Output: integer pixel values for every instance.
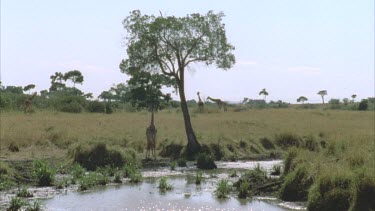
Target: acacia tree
(75, 76)
(57, 82)
(29, 87)
(322, 93)
(302, 99)
(170, 44)
(354, 96)
(264, 93)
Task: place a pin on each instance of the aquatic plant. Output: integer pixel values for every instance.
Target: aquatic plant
(23, 192)
(276, 170)
(36, 206)
(44, 174)
(205, 161)
(135, 177)
(181, 162)
(117, 178)
(16, 203)
(163, 185)
(198, 177)
(223, 189)
(244, 189)
(173, 165)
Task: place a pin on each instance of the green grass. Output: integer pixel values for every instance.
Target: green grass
(163, 185)
(223, 189)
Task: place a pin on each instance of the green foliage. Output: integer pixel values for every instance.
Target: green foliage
(363, 105)
(330, 192)
(244, 189)
(364, 191)
(173, 165)
(36, 206)
(289, 160)
(276, 170)
(217, 151)
(135, 177)
(310, 143)
(96, 106)
(205, 161)
(198, 177)
(267, 143)
(181, 162)
(23, 192)
(117, 178)
(163, 185)
(286, 140)
(223, 189)
(75, 76)
(92, 179)
(16, 204)
(43, 173)
(63, 183)
(172, 151)
(98, 155)
(296, 185)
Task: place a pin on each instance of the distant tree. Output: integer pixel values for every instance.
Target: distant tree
(106, 95)
(28, 87)
(1, 86)
(75, 76)
(43, 92)
(302, 99)
(353, 97)
(264, 93)
(245, 100)
(345, 101)
(169, 44)
(57, 82)
(322, 93)
(120, 92)
(88, 96)
(14, 89)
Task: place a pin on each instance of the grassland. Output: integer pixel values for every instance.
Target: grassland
(45, 134)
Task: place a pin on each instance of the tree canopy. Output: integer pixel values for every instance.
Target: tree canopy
(75, 76)
(302, 99)
(170, 44)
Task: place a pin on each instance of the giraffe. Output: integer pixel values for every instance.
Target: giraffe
(151, 138)
(200, 103)
(219, 103)
(27, 104)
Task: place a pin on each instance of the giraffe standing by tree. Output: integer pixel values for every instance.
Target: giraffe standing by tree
(28, 103)
(151, 138)
(200, 103)
(219, 103)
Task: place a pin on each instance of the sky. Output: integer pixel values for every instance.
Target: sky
(291, 47)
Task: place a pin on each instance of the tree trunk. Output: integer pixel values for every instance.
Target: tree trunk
(193, 146)
(323, 99)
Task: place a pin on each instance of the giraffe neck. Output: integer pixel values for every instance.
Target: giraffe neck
(215, 100)
(199, 97)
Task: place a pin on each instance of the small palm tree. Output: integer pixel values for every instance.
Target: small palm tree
(322, 93)
(302, 99)
(354, 96)
(264, 93)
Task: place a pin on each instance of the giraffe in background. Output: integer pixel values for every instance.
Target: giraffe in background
(151, 138)
(27, 104)
(219, 103)
(200, 103)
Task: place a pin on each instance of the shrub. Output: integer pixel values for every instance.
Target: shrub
(108, 108)
(62, 184)
(172, 151)
(243, 144)
(205, 161)
(286, 140)
(73, 107)
(181, 162)
(97, 156)
(296, 185)
(217, 151)
(96, 106)
(164, 186)
(13, 147)
(233, 174)
(44, 174)
(255, 177)
(223, 189)
(330, 192)
(92, 179)
(173, 165)
(363, 105)
(266, 143)
(117, 178)
(135, 177)
(289, 160)
(77, 172)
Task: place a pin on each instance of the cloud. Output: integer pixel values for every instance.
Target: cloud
(305, 70)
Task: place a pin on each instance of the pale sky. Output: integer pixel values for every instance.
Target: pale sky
(291, 47)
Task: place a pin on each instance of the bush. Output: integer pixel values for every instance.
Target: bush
(276, 170)
(266, 143)
(205, 161)
(108, 108)
(96, 106)
(36, 206)
(289, 160)
(173, 165)
(97, 156)
(23, 192)
(296, 185)
(135, 176)
(198, 177)
(13, 147)
(16, 203)
(73, 107)
(363, 105)
(330, 192)
(255, 177)
(244, 189)
(91, 180)
(223, 189)
(181, 162)
(217, 151)
(172, 151)
(286, 140)
(44, 174)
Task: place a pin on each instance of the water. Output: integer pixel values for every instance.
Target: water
(186, 195)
